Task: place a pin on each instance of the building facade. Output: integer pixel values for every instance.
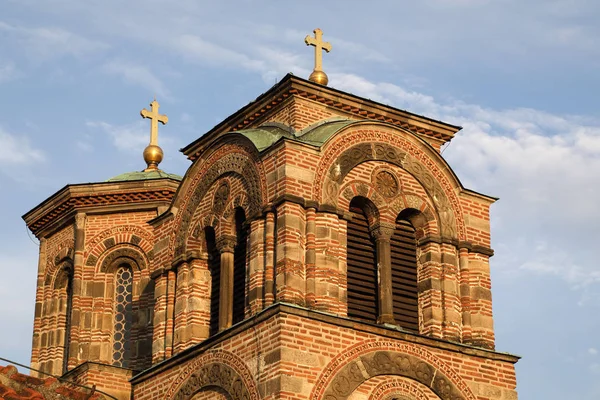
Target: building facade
(318, 247)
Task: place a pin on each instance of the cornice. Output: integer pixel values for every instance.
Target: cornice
(291, 86)
(105, 196)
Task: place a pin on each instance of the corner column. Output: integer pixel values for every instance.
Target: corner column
(39, 303)
(226, 245)
(382, 233)
(75, 354)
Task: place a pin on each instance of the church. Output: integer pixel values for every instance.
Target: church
(318, 247)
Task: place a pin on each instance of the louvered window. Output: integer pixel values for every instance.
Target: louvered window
(404, 276)
(214, 266)
(361, 269)
(239, 267)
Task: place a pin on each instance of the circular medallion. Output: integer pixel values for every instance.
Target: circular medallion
(386, 184)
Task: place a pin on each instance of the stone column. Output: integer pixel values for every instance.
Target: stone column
(160, 312)
(482, 323)
(465, 293)
(256, 266)
(452, 323)
(269, 259)
(181, 308)
(431, 312)
(290, 253)
(328, 268)
(226, 245)
(382, 233)
(311, 257)
(170, 312)
(78, 323)
(39, 302)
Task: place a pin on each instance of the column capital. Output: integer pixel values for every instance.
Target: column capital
(80, 220)
(226, 243)
(382, 230)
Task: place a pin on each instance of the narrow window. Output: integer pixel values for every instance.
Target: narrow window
(214, 266)
(361, 268)
(65, 285)
(404, 275)
(239, 267)
(123, 315)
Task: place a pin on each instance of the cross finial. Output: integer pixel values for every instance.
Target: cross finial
(153, 154)
(318, 75)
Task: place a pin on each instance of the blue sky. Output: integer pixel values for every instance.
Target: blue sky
(521, 77)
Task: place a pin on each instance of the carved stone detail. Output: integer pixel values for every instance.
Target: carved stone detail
(121, 255)
(376, 358)
(226, 160)
(110, 242)
(221, 197)
(218, 369)
(389, 363)
(386, 184)
(219, 375)
(226, 243)
(382, 231)
(336, 162)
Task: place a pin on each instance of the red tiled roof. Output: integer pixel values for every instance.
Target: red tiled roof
(17, 386)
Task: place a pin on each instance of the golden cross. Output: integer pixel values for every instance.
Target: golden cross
(155, 117)
(317, 41)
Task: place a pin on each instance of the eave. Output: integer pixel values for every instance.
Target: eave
(106, 196)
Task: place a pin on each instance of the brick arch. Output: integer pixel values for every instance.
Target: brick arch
(374, 358)
(215, 369)
(370, 141)
(353, 189)
(234, 154)
(394, 387)
(114, 256)
(132, 235)
(63, 252)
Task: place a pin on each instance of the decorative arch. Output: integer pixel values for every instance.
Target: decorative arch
(232, 154)
(215, 369)
(120, 254)
(64, 252)
(131, 236)
(380, 142)
(375, 358)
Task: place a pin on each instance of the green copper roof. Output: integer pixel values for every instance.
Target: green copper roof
(142, 176)
(266, 135)
(318, 133)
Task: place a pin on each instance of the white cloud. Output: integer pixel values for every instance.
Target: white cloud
(545, 168)
(16, 150)
(592, 351)
(129, 137)
(137, 75)
(196, 49)
(49, 42)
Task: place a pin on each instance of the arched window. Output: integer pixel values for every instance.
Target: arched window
(361, 267)
(214, 266)
(239, 266)
(122, 316)
(64, 286)
(403, 248)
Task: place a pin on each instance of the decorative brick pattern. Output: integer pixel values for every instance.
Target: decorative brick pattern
(295, 340)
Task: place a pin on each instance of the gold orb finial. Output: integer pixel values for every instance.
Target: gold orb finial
(318, 76)
(153, 154)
